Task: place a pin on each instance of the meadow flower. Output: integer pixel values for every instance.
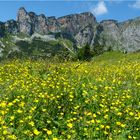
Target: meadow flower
(5, 132)
(49, 132)
(105, 132)
(19, 111)
(92, 121)
(107, 127)
(118, 123)
(131, 113)
(36, 98)
(102, 126)
(36, 132)
(32, 123)
(70, 125)
(55, 138)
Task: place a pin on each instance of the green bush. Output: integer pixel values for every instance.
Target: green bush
(84, 53)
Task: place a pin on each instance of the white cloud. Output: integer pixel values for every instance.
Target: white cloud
(99, 9)
(136, 5)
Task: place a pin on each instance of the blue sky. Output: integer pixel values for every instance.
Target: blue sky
(103, 9)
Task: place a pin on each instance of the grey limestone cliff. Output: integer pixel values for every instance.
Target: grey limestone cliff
(124, 36)
(81, 29)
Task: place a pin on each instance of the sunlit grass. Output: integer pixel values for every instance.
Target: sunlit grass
(72, 100)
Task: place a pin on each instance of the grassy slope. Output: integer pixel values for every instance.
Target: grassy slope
(38, 47)
(72, 100)
(115, 56)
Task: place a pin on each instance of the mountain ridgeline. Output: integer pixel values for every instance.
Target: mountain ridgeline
(38, 35)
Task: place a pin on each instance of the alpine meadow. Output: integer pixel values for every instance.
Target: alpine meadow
(69, 77)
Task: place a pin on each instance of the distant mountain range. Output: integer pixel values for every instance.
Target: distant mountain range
(72, 31)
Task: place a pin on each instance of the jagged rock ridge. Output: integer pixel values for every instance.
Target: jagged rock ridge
(81, 29)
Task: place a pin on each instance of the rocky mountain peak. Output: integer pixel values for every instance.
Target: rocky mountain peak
(72, 24)
(80, 28)
(30, 23)
(22, 13)
(24, 21)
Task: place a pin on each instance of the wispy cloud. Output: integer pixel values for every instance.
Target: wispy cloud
(99, 9)
(136, 4)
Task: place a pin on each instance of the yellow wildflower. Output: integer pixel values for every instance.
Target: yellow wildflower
(70, 125)
(36, 132)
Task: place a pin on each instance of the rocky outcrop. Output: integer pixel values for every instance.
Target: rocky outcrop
(78, 27)
(81, 29)
(30, 23)
(111, 35)
(72, 24)
(53, 25)
(107, 36)
(130, 35)
(85, 36)
(11, 27)
(25, 21)
(41, 24)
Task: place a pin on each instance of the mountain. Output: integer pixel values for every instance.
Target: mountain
(40, 35)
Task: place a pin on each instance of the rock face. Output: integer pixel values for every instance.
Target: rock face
(41, 24)
(72, 24)
(108, 36)
(53, 25)
(30, 23)
(76, 26)
(131, 35)
(112, 35)
(85, 36)
(25, 21)
(81, 29)
(11, 26)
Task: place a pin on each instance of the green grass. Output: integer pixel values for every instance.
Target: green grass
(50, 100)
(116, 56)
